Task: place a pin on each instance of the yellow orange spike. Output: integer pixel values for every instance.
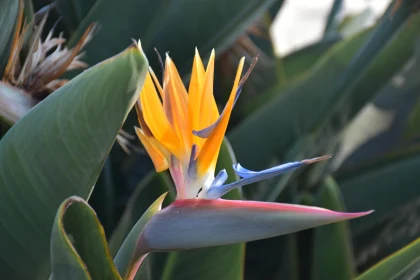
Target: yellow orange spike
(207, 158)
(194, 92)
(176, 104)
(202, 106)
(208, 111)
(157, 84)
(158, 158)
(156, 120)
(140, 117)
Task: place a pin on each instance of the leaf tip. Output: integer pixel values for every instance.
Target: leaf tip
(317, 159)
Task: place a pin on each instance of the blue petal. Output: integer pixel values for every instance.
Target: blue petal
(242, 172)
(246, 173)
(249, 176)
(220, 179)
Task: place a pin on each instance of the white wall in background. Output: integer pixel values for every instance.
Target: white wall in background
(302, 22)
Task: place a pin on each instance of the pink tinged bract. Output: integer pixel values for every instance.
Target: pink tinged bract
(196, 223)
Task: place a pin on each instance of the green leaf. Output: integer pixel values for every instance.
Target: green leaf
(403, 264)
(331, 27)
(210, 24)
(290, 261)
(57, 150)
(289, 112)
(74, 11)
(386, 183)
(353, 24)
(28, 10)
(393, 104)
(119, 21)
(78, 244)
(146, 192)
(103, 197)
(332, 255)
(296, 67)
(8, 18)
(299, 62)
(389, 62)
(342, 81)
(222, 262)
(411, 83)
(412, 129)
(157, 24)
(275, 8)
(130, 254)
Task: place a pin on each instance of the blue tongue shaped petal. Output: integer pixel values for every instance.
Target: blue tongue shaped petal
(220, 179)
(249, 176)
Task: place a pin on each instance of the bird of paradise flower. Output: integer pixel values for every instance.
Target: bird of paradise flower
(183, 131)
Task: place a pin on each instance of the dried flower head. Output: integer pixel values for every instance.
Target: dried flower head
(45, 61)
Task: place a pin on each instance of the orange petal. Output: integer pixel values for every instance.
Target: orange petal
(207, 112)
(157, 84)
(158, 158)
(208, 108)
(175, 104)
(202, 105)
(208, 156)
(142, 122)
(194, 91)
(155, 118)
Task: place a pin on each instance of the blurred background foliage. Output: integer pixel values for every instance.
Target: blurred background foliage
(354, 93)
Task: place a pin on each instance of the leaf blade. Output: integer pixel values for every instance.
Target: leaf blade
(395, 264)
(42, 167)
(78, 244)
(8, 18)
(332, 255)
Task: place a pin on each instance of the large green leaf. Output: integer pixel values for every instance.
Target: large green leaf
(130, 255)
(74, 11)
(384, 154)
(222, 262)
(404, 264)
(103, 198)
(78, 244)
(28, 10)
(412, 129)
(147, 191)
(411, 82)
(311, 104)
(383, 184)
(331, 26)
(273, 127)
(8, 18)
(295, 67)
(289, 268)
(207, 24)
(57, 150)
(300, 62)
(118, 22)
(274, 9)
(332, 253)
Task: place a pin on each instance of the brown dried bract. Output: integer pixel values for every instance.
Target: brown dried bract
(45, 61)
